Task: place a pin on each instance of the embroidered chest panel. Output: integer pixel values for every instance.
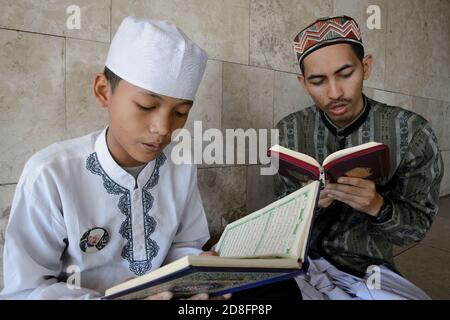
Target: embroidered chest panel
(138, 267)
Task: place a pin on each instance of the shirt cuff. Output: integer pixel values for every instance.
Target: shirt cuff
(385, 212)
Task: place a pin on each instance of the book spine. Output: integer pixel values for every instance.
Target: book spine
(322, 178)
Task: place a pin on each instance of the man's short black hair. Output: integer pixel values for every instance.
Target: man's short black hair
(112, 78)
(357, 49)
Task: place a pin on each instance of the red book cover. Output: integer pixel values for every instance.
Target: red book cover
(368, 161)
(295, 168)
(371, 163)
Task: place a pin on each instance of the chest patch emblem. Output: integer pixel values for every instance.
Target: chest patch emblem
(94, 240)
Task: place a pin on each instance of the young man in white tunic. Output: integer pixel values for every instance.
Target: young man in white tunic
(112, 204)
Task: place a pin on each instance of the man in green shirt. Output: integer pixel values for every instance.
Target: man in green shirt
(359, 220)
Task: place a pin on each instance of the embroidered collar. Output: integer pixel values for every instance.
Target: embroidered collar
(115, 171)
(350, 128)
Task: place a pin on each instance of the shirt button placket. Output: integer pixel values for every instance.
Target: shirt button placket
(138, 232)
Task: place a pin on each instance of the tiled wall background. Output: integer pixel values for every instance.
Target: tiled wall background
(46, 73)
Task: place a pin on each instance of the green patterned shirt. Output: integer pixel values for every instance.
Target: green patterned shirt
(350, 239)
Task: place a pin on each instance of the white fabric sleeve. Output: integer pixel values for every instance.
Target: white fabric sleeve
(34, 244)
(193, 230)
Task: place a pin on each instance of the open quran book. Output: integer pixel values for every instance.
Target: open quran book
(266, 246)
(367, 161)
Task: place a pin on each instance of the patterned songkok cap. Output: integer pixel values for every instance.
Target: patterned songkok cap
(324, 32)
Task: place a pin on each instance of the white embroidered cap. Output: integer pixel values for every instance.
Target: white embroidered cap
(157, 56)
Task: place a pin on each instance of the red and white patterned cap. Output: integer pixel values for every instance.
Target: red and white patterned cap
(326, 31)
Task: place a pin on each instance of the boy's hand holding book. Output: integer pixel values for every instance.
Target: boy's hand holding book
(167, 295)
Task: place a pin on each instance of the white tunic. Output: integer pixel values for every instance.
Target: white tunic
(74, 186)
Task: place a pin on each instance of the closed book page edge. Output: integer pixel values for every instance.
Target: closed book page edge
(211, 280)
(204, 261)
(188, 264)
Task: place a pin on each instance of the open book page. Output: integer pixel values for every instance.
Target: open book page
(344, 152)
(278, 230)
(295, 154)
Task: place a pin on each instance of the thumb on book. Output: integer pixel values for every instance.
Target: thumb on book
(166, 295)
(209, 253)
